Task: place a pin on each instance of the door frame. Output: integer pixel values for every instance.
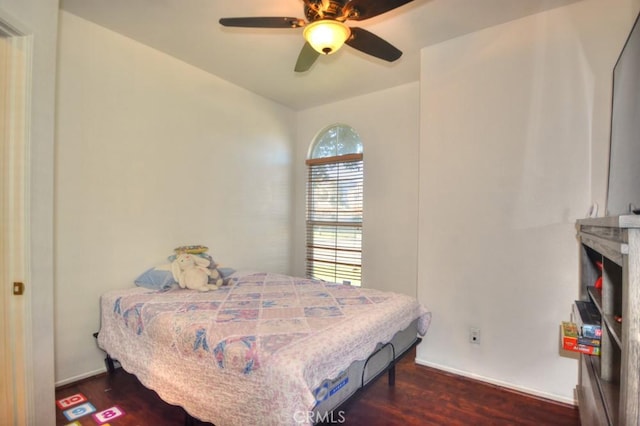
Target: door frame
(15, 94)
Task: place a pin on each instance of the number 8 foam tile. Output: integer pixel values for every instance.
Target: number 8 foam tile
(107, 415)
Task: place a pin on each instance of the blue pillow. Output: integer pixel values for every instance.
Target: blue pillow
(161, 278)
(157, 278)
(225, 272)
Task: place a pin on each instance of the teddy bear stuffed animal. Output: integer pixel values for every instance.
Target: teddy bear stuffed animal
(191, 272)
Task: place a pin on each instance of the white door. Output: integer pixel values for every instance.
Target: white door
(13, 208)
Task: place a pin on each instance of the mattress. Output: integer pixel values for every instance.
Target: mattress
(258, 351)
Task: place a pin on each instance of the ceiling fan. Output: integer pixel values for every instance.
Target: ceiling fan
(325, 30)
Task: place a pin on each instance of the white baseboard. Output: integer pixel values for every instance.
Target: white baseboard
(80, 377)
(558, 398)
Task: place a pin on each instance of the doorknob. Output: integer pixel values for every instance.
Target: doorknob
(18, 288)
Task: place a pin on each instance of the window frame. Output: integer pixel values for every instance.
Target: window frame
(342, 260)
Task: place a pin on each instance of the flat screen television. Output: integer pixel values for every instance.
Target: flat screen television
(623, 189)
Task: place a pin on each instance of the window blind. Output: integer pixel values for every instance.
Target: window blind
(334, 218)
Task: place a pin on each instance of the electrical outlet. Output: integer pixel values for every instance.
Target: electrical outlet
(474, 335)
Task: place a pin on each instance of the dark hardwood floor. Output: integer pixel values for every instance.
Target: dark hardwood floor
(421, 396)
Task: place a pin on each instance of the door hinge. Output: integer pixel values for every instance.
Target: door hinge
(18, 288)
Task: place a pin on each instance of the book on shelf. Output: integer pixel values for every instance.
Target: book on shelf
(588, 341)
(571, 340)
(587, 317)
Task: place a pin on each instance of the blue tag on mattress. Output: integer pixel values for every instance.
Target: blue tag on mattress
(339, 386)
(321, 393)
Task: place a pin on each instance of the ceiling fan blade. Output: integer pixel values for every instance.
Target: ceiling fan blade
(306, 58)
(373, 45)
(263, 22)
(359, 10)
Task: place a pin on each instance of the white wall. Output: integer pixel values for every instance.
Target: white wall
(510, 119)
(387, 122)
(153, 154)
(38, 19)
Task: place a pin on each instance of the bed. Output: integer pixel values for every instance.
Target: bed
(265, 349)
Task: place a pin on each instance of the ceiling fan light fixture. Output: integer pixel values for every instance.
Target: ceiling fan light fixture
(326, 35)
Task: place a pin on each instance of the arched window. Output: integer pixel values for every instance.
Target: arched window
(334, 206)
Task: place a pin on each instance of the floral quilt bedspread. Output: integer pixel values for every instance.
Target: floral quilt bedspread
(253, 351)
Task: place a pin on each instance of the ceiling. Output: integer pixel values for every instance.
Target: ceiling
(262, 60)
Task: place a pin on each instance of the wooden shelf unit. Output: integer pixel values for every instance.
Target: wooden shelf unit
(608, 387)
